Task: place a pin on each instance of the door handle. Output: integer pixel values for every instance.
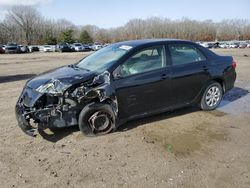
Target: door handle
(164, 76)
(205, 68)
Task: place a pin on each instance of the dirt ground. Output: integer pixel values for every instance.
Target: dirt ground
(184, 148)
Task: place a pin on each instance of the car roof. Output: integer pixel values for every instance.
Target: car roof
(135, 43)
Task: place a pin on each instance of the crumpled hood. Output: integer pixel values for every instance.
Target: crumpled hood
(69, 75)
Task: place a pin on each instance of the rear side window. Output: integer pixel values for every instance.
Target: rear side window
(185, 53)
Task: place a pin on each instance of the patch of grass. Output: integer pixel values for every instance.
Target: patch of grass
(169, 148)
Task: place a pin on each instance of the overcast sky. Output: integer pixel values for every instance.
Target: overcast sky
(113, 13)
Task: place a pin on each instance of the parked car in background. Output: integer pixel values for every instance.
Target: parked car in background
(204, 44)
(34, 49)
(47, 48)
(243, 45)
(12, 47)
(77, 47)
(4, 46)
(211, 44)
(96, 46)
(223, 45)
(124, 81)
(2, 50)
(23, 49)
(86, 48)
(233, 45)
(63, 47)
(106, 44)
(216, 45)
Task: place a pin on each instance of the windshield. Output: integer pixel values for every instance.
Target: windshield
(77, 44)
(102, 59)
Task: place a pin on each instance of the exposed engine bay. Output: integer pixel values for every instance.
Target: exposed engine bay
(58, 104)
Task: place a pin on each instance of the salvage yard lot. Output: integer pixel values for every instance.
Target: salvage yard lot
(183, 148)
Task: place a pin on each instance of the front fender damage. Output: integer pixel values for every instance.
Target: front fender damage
(55, 110)
(102, 90)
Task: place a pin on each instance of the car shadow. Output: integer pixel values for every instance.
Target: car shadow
(233, 95)
(13, 78)
(57, 134)
(154, 118)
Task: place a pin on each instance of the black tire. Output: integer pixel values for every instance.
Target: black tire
(212, 96)
(96, 119)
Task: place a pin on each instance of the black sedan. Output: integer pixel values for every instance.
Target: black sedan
(63, 48)
(124, 81)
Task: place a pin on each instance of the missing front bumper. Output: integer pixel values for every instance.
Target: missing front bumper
(23, 122)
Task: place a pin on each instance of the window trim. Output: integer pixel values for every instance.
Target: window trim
(138, 51)
(194, 46)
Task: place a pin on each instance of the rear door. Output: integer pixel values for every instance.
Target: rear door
(188, 71)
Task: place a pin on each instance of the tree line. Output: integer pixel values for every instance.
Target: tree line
(25, 25)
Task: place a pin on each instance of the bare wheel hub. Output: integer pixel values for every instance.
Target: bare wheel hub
(100, 121)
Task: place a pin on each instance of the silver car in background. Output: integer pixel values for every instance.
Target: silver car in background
(77, 47)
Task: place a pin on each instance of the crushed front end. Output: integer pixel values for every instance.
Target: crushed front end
(57, 104)
(47, 110)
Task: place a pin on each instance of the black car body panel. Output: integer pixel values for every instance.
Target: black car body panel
(67, 75)
(55, 98)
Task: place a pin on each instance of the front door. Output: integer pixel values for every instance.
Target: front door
(144, 84)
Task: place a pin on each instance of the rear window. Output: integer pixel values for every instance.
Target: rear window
(185, 53)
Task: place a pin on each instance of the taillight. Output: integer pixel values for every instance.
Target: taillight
(234, 64)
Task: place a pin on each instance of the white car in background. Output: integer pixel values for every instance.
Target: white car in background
(96, 46)
(204, 44)
(47, 48)
(23, 49)
(232, 46)
(223, 45)
(77, 47)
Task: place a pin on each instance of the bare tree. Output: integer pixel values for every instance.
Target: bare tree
(26, 18)
(24, 24)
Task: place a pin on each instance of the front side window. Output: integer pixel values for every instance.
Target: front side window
(143, 61)
(185, 53)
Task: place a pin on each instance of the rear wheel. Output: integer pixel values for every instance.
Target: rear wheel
(96, 119)
(212, 96)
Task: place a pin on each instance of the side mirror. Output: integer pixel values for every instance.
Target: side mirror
(117, 73)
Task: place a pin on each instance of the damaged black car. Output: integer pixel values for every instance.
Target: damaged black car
(124, 81)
